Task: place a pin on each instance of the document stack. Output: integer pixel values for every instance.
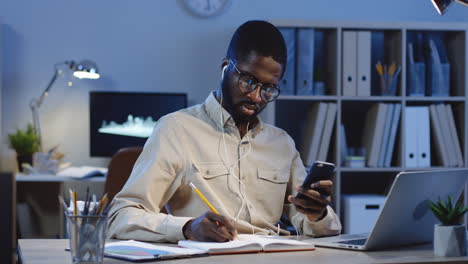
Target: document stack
(317, 133)
(380, 133)
(447, 143)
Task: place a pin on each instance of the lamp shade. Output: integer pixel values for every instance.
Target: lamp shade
(85, 69)
(441, 5)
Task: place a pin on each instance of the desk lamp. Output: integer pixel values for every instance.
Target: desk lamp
(83, 70)
(442, 5)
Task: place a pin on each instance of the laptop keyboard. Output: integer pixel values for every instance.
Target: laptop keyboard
(360, 242)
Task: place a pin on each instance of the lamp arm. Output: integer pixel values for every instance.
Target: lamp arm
(36, 121)
(36, 103)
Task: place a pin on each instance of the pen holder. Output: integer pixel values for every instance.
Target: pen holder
(416, 79)
(87, 237)
(438, 79)
(388, 86)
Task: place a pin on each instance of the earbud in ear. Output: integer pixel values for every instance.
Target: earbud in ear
(222, 73)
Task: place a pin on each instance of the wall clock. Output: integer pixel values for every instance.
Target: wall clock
(206, 8)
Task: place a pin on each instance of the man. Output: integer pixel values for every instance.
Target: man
(244, 167)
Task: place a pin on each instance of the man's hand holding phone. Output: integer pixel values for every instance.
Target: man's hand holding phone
(314, 194)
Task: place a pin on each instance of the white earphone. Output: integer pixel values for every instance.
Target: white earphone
(222, 73)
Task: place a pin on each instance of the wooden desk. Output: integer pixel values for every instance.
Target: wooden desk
(52, 251)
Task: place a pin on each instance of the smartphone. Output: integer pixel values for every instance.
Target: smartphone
(319, 171)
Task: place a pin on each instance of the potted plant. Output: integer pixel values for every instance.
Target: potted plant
(450, 235)
(25, 143)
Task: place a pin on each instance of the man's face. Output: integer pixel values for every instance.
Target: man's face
(244, 107)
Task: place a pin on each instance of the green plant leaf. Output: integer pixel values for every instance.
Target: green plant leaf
(448, 212)
(24, 142)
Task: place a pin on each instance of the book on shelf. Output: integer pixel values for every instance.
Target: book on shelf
(312, 135)
(327, 132)
(386, 134)
(446, 137)
(392, 136)
(245, 243)
(438, 137)
(140, 251)
(373, 133)
(454, 135)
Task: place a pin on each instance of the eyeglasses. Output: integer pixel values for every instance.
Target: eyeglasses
(248, 83)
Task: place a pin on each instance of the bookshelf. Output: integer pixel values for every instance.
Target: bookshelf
(288, 111)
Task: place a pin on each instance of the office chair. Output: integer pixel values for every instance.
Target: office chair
(119, 169)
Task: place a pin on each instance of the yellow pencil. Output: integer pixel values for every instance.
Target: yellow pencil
(204, 199)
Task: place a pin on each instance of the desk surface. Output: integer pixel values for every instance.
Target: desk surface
(52, 251)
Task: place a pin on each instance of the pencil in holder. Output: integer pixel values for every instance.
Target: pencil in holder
(87, 236)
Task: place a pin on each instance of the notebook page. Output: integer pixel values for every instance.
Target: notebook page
(223, 247)
(276, 243)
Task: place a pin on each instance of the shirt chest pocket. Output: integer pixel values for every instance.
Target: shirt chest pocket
(210, 171)
(273, 176)
(271, 191)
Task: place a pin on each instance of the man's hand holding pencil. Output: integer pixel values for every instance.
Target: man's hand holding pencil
(211, 226)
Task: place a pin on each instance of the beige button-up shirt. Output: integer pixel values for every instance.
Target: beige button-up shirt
(246, 178)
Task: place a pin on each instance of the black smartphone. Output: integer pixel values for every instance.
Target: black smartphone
(319, 171)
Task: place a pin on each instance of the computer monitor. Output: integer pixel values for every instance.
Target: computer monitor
(126, 119)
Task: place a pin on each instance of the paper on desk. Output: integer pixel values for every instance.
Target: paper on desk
(82, 172)
(137, 251)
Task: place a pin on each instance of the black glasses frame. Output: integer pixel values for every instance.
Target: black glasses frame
(255, 84)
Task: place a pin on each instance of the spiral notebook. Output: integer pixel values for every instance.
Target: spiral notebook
(249, 244)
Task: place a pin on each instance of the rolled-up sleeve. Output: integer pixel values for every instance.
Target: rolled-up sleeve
(136, 212)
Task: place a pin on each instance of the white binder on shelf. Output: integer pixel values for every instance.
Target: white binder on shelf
(438, 137)
(424, 137)
(363, 76)
(446, 135)
(313, 132)
(454, 135)
(349, 71)
(305, 61)
(386, 135)
(411, 136)
(327, 132)
(392, 137)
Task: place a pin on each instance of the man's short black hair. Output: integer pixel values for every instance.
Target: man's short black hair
(259, 37)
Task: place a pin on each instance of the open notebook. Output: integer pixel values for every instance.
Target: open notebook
(141, 251)
(249, 243)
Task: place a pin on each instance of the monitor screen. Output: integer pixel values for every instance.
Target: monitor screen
(126, 119)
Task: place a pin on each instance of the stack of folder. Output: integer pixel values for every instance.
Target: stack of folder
(380, 133)
(305, 48)
(447, 143)
(317, 132)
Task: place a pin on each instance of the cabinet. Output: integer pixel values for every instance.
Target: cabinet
(389, 44)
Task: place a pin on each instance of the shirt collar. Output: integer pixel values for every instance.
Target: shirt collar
(214, 109)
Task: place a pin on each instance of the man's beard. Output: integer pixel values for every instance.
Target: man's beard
(235, 109)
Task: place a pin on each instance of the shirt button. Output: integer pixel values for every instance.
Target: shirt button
(276, 177)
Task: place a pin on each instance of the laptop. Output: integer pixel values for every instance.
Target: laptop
(405, 217)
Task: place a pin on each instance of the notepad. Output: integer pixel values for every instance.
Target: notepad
(140, 251)
(249, 244)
